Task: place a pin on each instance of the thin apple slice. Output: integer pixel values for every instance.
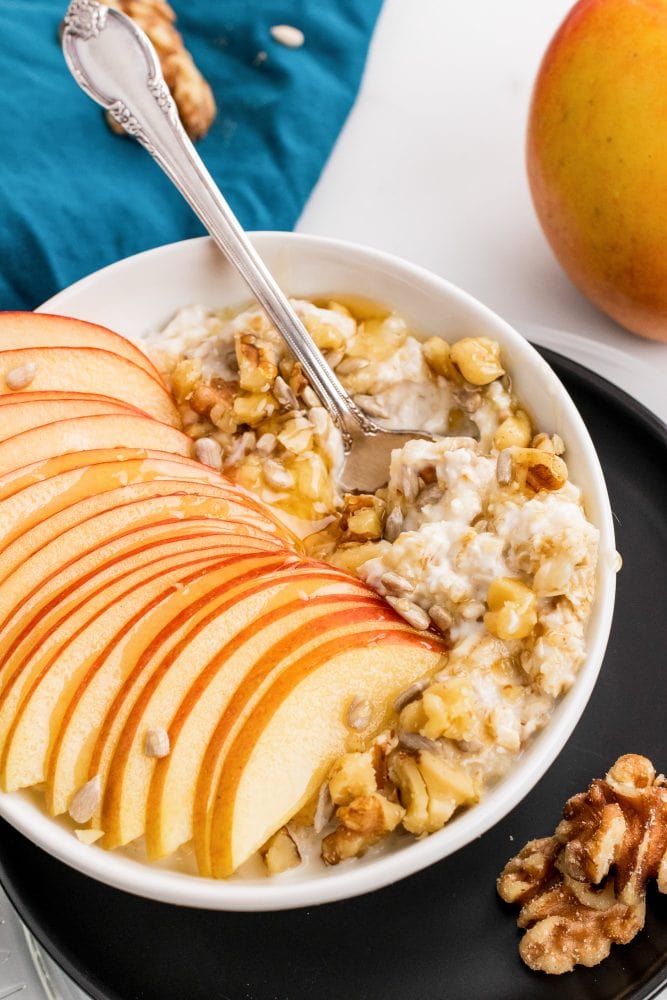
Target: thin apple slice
(43, 591)
(17, 417)
(45, 396)
(223, 639)
(78, 434)
(89, 369)
(26, 329)
(46, 494)
(33, 698)
(279, 756)
(17, 479)
(107, 694)
(179, 467)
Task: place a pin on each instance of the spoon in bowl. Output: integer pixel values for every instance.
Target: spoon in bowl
(113, 61)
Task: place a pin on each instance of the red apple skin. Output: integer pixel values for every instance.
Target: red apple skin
(597, 156)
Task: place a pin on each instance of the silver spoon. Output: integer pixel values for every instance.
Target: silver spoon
(113, 61)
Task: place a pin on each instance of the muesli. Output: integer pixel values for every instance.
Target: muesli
(480, 536)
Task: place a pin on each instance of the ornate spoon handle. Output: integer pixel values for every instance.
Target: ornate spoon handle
(115, 64)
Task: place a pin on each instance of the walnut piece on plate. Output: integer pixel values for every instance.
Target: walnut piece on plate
(584, 888)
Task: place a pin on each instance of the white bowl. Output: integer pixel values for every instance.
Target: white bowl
(141, 293)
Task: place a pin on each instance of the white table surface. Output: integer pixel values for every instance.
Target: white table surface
(430, 166)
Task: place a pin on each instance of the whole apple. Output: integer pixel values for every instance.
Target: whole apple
(597, 156)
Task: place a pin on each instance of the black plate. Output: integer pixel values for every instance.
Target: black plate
(442, 933)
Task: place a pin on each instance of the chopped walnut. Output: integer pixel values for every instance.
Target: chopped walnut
(191, 92)
(280, 852)
(430, 788)
(353, 775)
(583, 889)
(364, 822)
(362, 517)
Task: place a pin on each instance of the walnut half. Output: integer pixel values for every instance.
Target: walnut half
(584, 889)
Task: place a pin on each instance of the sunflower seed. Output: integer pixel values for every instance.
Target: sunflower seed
(20, 378)
(411, 693)
(415, 741)
(157, 743)
(359, 714)
(440, 618)
(324, 808)
(288, 35)
(394, 524)
(88, 836)
(86, 800)
(504, 467)
(411, 612)
(349, 366)
(396, 584)
(209, 452)
(428, 495)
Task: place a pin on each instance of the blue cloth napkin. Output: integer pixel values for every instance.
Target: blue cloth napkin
(74, 197)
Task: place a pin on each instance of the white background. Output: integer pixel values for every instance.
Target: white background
(430, 166)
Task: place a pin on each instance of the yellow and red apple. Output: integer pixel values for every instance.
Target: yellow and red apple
(597, 156)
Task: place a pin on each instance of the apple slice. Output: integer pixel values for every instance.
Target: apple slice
(274, 762)
(26, 329)
(45, 396)
(46, 495)
(157, 465)
(33, 698)
(104, 431)
(90, 369)
(17, 417)
(225, 634)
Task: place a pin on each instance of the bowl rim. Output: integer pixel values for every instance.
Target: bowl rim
(152, 881)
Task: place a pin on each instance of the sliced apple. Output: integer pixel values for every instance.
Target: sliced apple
(62, 594)
(69, 536)
(17, 479)
(34, 696)
(26, 329)
(39, 589)
(170, 804)
(12, 398)
(80, 433)
(276, 759)
(173, 500)
(17, 417)
(48, 494)
(90, 369)
(226, 636)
